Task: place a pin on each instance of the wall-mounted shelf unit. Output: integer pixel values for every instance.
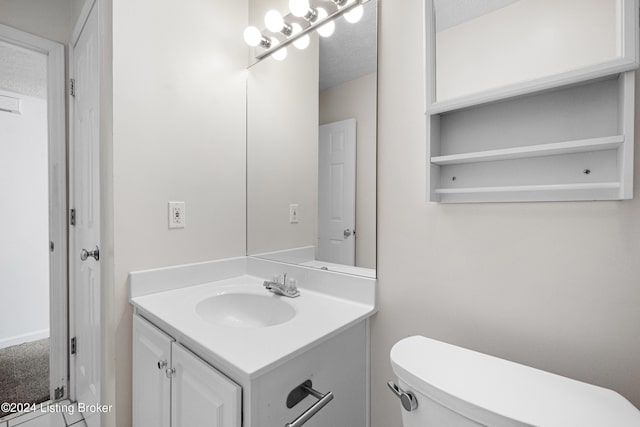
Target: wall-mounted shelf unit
(572, 142)
(517, 111)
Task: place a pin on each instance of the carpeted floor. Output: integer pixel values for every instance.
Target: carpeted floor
(24, 373)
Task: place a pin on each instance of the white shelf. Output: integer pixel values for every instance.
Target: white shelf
(567, 147)
(610, 69)
(524, 188)
(503, 151)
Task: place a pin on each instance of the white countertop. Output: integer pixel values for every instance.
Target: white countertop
(253, 351)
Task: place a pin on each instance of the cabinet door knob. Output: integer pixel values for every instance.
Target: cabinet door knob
(162, 364)
(170, 372)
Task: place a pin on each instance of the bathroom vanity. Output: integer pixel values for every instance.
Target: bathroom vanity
(212, 346)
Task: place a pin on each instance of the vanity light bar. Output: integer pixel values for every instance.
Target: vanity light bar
(313, 25)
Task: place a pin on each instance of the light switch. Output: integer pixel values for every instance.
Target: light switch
(293, 214)
(177, 215)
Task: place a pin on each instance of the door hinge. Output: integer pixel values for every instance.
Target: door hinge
(51, 246)
(72, 217)
(58, 393)
(72, 87)
(73, 345)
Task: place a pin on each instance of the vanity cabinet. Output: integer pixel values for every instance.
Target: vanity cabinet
(172, 387)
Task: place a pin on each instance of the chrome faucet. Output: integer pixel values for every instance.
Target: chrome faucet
(284, 288)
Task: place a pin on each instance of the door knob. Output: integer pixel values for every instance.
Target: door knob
(95, 254)
(347, 233)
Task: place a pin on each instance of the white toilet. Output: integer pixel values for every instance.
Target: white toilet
(441, 385)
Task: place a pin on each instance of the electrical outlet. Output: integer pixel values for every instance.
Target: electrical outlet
(293, 214)
(177, 215)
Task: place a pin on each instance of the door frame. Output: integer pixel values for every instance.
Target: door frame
(58, 273)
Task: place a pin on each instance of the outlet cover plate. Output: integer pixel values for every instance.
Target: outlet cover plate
(177, 215)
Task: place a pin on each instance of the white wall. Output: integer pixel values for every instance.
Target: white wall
(178, 134)
(550, 285)
(282, 144)
(282, 151)
(51, 19)
(24, 222)
(357, 99)
(526, 40)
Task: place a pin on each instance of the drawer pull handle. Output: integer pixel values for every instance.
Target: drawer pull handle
(305, 389)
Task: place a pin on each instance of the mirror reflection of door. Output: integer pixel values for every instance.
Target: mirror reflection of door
(333, 80)
(24, 227)
(337, 192)
(348, 94)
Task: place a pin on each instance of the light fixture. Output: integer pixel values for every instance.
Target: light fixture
(299, 8)
(355, 14)
(253, 37)
(302, 9)
(301, 42)
(275, 23)
(327, 29)
(279, 54)
(297, 30)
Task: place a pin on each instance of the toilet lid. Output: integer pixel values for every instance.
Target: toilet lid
(492, 390)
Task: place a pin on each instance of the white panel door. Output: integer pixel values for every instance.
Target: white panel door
(85, 183)
(202, 396)
(151, 384)
(337, 192)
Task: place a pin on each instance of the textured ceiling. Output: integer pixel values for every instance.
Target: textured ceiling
(351, 51)
(450, 13)
(23, 71)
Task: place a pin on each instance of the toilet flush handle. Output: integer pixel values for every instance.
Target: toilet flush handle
(408, 400)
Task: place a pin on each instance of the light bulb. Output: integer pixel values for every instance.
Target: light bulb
(273, 21)
(327, 29)
(252, 36)
(280, 54)
(303, 42)
(299, 8)
(355, 14)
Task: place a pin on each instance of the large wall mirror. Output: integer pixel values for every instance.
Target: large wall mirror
(489, 45)
(311, 148)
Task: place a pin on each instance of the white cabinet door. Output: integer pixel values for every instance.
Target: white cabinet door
(202, 396)
(151, 385)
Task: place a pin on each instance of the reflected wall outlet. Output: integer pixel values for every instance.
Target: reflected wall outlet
(293, 214)
(177, 215)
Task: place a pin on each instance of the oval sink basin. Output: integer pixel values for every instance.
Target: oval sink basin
(245, 310)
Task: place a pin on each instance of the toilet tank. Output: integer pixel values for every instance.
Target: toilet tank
(456, 387)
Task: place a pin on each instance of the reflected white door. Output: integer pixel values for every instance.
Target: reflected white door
(337, 192)
(85, 183)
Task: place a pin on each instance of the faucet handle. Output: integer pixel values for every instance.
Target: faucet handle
(291, 285)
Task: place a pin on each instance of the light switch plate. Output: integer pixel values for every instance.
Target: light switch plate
(177, 215)
(293, 214)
